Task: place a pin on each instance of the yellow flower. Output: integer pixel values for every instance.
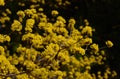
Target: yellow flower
(94, 47)
(28, 12)
(87, 41)
(72, 21)
(40, 9)
(109, 43)
(7, 38)
(41, 25)
(81, 51)
(54, 12)
(21, 13)
(60, 18)
(2, 2)
(28, 29)
(30, 23)
(22, 76)
(21, 59)
(16, 26)
(87, 30)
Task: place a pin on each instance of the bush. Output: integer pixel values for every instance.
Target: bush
(35, 46)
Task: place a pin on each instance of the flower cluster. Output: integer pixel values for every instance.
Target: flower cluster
(39, 47)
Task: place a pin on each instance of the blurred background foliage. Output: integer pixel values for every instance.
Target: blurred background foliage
(103, 15)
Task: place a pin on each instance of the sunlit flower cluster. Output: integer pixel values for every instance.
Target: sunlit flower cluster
(39, 47)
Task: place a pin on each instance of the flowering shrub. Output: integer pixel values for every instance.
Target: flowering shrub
(34, 46)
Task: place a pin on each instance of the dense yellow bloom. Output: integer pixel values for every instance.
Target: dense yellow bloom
(74, 61)
(29, 65)
(16, 26)
(78, 50)
(5, 65)
(41, 73)
(109, 43)
(22, 76)
(64, 57)
(2, 2)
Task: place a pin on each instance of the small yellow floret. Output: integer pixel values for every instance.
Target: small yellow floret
(30, 23)
(109, 43)
(21, 14)
(95, 47)
(16, 26)
(54, 12)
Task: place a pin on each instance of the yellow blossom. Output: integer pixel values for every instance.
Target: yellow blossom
(22, 76)
(94, 47)
(16, 26)
(60, 18)
(7, 38)
(54, 12)
(40, 9)
(21, 14)
(28, 29)
(109, 43)
(87, 30)
(30, 23)
(28, 12)
(41, 25)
